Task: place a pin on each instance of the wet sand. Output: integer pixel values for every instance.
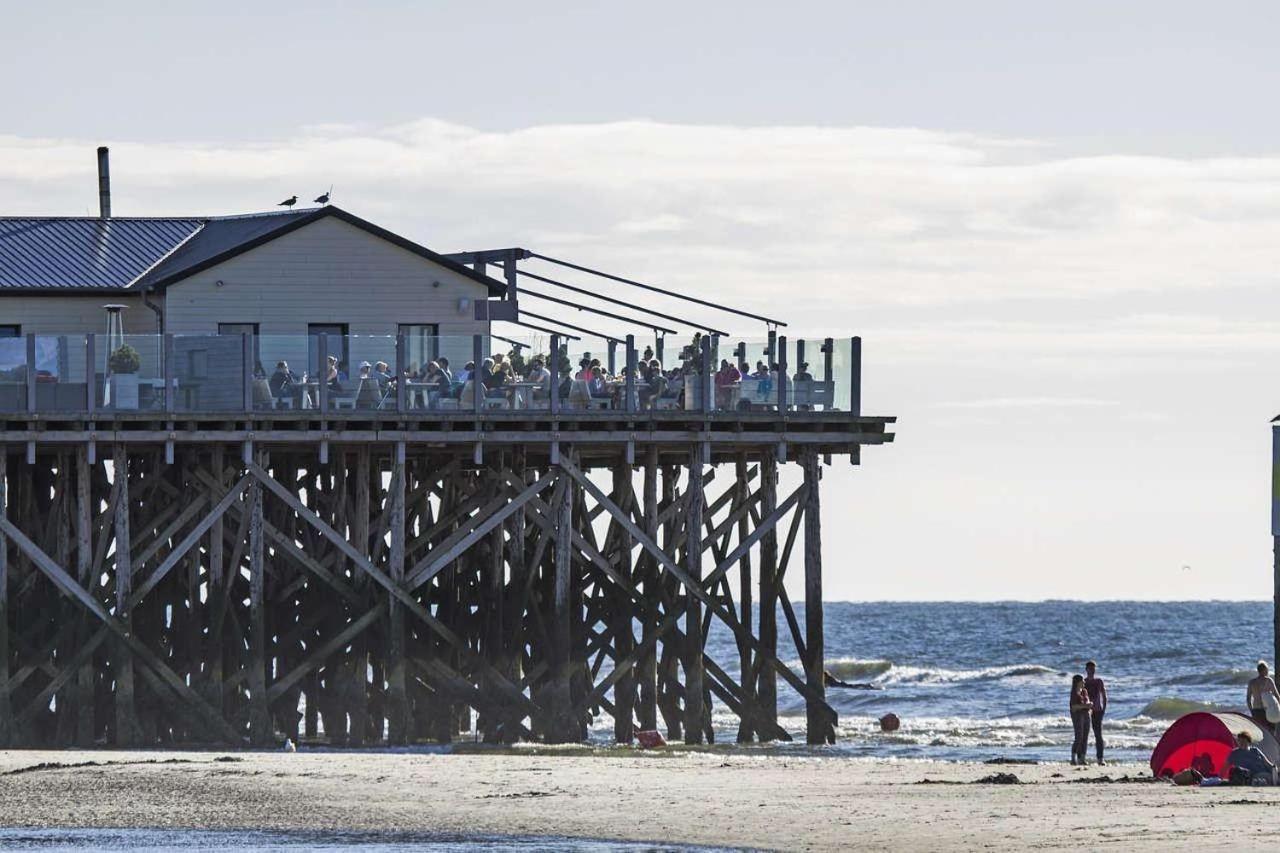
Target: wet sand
(711, 797)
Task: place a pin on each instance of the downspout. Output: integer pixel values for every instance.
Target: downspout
(159, 311)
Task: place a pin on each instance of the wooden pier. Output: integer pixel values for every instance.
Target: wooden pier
(369, 577)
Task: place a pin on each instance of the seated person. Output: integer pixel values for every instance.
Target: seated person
(436, 375)
(444, 367)
(282, 382)
(726, 378)
(596, 385)
(465, 373)
(382, 372)
(1246, 763)
(538, 373)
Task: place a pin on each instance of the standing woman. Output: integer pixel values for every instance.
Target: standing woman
(1080, 711)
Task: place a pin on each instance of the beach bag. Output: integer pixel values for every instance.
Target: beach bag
(1273, 707)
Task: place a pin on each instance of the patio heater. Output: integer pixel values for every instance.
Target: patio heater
(115, 340)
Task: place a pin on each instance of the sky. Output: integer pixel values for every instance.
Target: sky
(1053, 225)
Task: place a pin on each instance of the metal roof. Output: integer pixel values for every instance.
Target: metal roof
(218, 237)
(53, 253)
(84, 253)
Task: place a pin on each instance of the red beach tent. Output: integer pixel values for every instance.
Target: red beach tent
(1202, 741)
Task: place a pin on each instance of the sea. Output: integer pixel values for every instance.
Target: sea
(976, 681)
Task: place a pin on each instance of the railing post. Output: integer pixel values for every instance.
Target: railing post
(828, 353)
(400, 377)
(708, 389)
(170, 397)
(31, 372)
(781, 365)
(630, 388)
(740, 355)
(554, 367)
(658, 341)
(322, 391)
(771, 349)
(855, 369)
(246, 350)
(90, 373)
(799, 354)
(613, 356)
(477, 356)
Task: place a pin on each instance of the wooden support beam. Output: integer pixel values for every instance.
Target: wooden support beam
(819, 726)
(398, 702)
(560, 726)
(694, 703)
(84, 702)
(767, 681)
(260, 731)
(127, 730)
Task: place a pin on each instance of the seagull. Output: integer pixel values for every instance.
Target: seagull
(324, 199)
(289, 202)
(288, 745)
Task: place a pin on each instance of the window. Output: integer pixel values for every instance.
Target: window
(10, 331)
(338, 344)
(421, 344)
(236, 329)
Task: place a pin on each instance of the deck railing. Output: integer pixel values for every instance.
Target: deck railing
(209, 374)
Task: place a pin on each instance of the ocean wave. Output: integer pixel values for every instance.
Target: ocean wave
(1171, 707)
(1218, 676)
(886, 672)
(865, 670)
(924, 675)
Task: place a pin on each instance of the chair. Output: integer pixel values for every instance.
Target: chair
(579, 395)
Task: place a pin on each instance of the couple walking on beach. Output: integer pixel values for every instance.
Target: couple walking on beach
(1088, 705)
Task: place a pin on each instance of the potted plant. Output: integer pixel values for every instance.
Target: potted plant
(123, 366)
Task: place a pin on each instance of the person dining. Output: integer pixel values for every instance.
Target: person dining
(541, 377)
(283, 380)
(727, 379)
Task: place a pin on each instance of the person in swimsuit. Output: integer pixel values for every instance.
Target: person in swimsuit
(1081, 709)
(1098, 696)
(1258, 688)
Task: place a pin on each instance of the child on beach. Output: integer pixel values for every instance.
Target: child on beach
(1081, 710)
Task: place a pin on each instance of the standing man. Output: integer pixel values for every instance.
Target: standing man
(1260, 693)
(1098, 695)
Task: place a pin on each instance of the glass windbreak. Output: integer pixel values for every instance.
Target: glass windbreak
(13, 374)
(132, 372)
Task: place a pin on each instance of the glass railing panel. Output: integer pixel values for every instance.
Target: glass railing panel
(60, 373)
(209, 372)
(133, 373)
(13, 374)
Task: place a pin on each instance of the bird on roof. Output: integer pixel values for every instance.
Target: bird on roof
(324, 197)
(289, 202)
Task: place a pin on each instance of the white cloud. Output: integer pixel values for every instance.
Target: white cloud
(821, 220)
(1026, 403)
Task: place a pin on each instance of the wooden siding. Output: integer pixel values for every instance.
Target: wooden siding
(69, 317)
(328, 272)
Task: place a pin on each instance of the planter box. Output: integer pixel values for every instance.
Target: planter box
(122, 391)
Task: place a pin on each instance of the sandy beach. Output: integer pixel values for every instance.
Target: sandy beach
(709, 797)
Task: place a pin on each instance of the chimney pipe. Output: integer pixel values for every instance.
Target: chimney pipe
(104, 183)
